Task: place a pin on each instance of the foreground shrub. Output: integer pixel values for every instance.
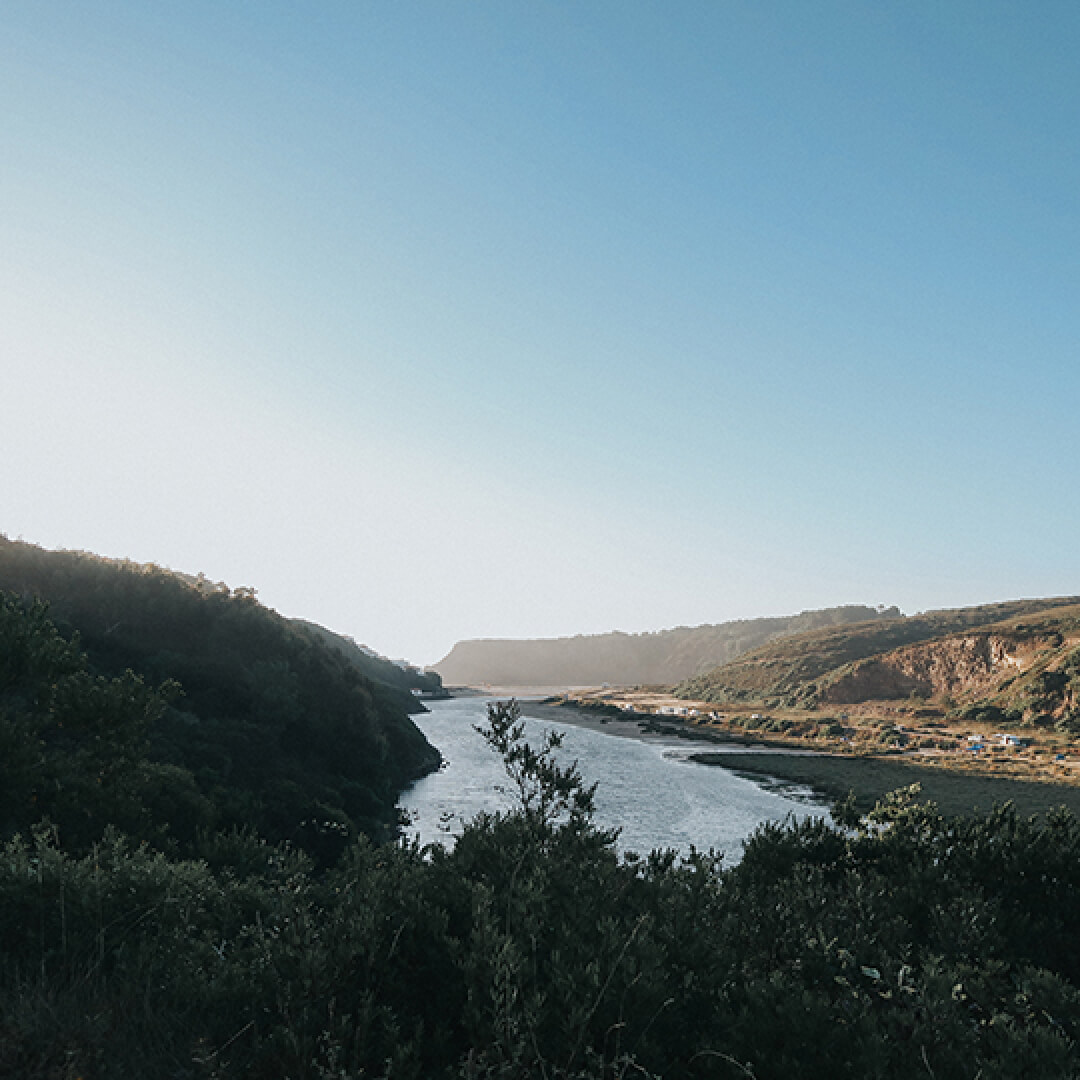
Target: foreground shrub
(901, 944)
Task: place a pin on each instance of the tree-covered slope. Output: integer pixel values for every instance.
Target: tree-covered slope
(797, 669)
(278, 730)
(369, 663)
(663, 657)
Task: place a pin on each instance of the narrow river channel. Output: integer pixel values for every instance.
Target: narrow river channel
(646, 787)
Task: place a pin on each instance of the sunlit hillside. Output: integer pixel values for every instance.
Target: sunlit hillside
(662, 657)
(822, 665)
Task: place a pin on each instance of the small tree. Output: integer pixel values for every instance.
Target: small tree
(545, 792)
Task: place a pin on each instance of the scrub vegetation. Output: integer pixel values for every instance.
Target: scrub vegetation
(897, 944)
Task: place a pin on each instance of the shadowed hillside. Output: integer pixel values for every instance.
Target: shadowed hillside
(374, 666)
(667, 656)
(276, 729)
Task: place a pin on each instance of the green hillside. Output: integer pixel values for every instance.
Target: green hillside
(267, 726)
(793, 670)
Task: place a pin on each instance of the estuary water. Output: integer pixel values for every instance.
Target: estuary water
(646, 787)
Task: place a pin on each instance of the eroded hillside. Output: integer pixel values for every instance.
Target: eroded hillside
(1026, 668)
(967, 650)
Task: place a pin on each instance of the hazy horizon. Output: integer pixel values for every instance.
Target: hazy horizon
(437, 322)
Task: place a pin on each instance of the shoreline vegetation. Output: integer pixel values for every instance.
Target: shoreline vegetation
(832, 763)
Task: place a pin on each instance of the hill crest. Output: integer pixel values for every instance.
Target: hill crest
(619, 658)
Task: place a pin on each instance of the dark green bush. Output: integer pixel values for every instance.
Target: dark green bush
(895, 945)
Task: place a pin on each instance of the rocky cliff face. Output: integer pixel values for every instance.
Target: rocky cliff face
(1024, 670)
(957, 652)
(970, 665)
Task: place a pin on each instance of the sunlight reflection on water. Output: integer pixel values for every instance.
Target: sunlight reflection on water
(646, 788)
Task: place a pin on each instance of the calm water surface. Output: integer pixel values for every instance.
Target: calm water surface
(646, 788)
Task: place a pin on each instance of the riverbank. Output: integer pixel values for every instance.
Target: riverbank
(833, 755)
(871, 779)
(594, 720)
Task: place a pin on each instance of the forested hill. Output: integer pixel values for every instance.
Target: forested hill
(271, 727)
(666, 656)
(377, 667)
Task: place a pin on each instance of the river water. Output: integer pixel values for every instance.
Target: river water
(646, 786)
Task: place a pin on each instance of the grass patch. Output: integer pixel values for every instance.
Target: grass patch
(872, 778)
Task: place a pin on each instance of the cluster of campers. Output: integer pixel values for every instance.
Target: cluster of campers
(977, 743)
(680, 711)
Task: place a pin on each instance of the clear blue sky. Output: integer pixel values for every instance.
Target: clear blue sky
(468, 319)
